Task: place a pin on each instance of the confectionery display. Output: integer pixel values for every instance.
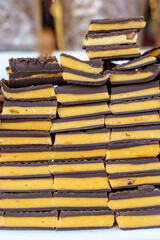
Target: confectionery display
(79, 140)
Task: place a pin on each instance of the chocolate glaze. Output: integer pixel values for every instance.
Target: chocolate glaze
(131, 144)
(30, 104)
(112, 47)
(29, 74)
(24, 164)
(142, 191)
(80, 90)
(131, 115)
(137, 128)
(57, 80)
(134, 161)
(16, 213)
(16, 134)
(76, 161)
(124, 65)
(145, 212)
(22, 149)
(24, 120)
(85, 213)
(102, 194)
(42, 63)
(84, 74)
(117, 20)
(100, 173)
(110, 34)
(137, 174)
(24, 195)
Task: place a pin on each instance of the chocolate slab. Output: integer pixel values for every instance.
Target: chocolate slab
(135, 161)
(133, 88)
(151, 68)
(84, 74)
(114, 47)
(24, 164)
(80, 90)
(140, 192)
(130, 175)
(42, 63)
(125, 66)
(92, 63)
(137, 128)
(101, 173)
(77, 161)
(4, 87)
(34, 74)
(25, 149)
(117, 20)
(9, 133)
(30, 104)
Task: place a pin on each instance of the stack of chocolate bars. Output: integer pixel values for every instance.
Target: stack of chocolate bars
(26, 185)
(133, 149)
(80, 141)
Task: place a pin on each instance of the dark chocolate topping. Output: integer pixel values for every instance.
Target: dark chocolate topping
(130, 144)
(30, 104)
(24, 195)
(117, 20)
(101, 194)
(85, 74)
(16, 134)
(16, 213)
(151, 211)
(85, 213)
(73, 89)
(137, 128)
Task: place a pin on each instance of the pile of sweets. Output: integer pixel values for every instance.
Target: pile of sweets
(80, 141)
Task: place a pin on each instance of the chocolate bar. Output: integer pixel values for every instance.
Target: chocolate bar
(136, 106)
(85, 78)
(89, 219)
(20, 138)
(32, 201)
(82, 139)
(24, 169)
(73, 124)
(93, 152)
(76, 166)
(103, 39)
(81, 200)
(148, 218)
(47, 220)
(135, 91)
(27, 184)
(132, 76)
(146, 196)
(135, 119)
(82, 182)
(137, 63)
(132, 165)
(131, 180)
(73, 95)
(114, 24)
(25, 124)
(26, 154)
(84, 110)
(41, 109)
(32, 93)
(113, 52)
(135, 133)
(91, 66)
(133, 149)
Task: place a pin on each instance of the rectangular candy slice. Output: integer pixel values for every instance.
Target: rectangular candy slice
(136, 119)
(132, 165)
(134, 149)
(113, 52)
(138, 133)
(82, 182)
(146, 196)
(137, 63)
(131, 180)
(40, 201)
(76, 166)
(92, 152)
(91, 66)
(148, 218)
(102, 39)
(26, 154)
(73, 124)
(136, 106)
(84, 110)
(47, 220)
(73, 95)
(114, 24)
(32, 93)
(33, 64)
(90, 219)
(82, 139)
(81, 200)
(24, 169)
(41, 109)
(25, 124)
(132, 76)
(26, 185)
(18, 138)
(135, 91)
(85, 78)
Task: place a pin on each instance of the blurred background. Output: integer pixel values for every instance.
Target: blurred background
(48, 25)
